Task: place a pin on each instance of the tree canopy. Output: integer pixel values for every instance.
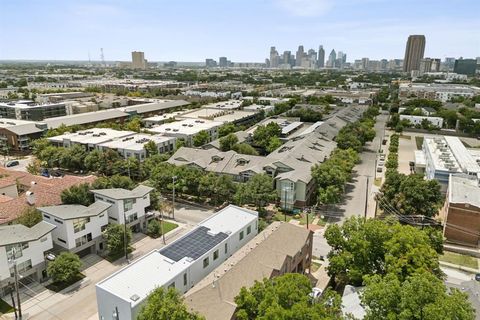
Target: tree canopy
(258, 190)
(115, 238)
(166, 304)
(29, 217)
(285, 297)
(65, 267)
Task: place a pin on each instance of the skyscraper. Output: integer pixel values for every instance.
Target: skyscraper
(331, 59)
(414, 52)
(274, 58)
(223, 62)
(321, 57)
(299, 56)
(138, 60)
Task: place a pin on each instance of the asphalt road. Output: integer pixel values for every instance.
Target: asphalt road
(356, 193)
(466, 283)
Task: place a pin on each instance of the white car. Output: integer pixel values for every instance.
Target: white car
(315, 294)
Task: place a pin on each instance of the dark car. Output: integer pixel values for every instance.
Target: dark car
(12, 163)
(477, 277)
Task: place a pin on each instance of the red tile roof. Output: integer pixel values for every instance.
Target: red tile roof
(46, 191)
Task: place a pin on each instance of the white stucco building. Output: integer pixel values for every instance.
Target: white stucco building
(78, 228)
(181, 264)
(31, 245)
(129, 205)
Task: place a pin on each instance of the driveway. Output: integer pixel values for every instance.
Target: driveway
(191, 214)
(79, 302)
(23, 162)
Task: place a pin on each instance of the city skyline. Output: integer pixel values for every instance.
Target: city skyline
(168, 31)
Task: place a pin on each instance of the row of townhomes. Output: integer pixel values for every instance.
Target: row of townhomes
(290, 165)
(74, 228)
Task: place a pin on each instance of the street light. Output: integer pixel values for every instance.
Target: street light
(13, 259)
(174, 179)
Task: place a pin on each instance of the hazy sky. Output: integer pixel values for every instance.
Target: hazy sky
(242, 30)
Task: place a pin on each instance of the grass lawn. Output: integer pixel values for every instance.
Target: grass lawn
(419, 142)
(378, 182)
(279, 216)
(321, 221)
(303, 218)
(5, 307)
(460, 259)
(168, 226)
(58, 286)
(315, 266)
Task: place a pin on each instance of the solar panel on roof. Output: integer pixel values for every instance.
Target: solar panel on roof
(193, 245)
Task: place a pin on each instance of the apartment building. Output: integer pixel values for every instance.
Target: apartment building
(17, 134)
(462, 211)
(180, 265)
(281, 248)
(30, 246)
(78, 228)
(126, 206)
(28, 110)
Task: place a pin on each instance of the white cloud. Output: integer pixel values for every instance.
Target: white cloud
(305, 8)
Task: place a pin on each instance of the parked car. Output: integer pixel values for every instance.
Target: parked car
(381, 163)
(382, 157)
(477, 277)
(379, 169)
(12, 163)
(315, 294)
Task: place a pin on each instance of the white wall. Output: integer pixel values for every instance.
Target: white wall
(34, 252)
(116, 210)
(65, 231)
(106, 303)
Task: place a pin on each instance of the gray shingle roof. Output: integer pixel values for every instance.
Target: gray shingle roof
(119, 194)
(74, 211)
(18, 233)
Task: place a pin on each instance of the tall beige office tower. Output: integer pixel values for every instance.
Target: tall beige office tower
(414, 52)
(138, 60)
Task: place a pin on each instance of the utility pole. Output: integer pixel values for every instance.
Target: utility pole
(15, 273)
(366, 198)
(125, 236)
(13, 301)
(174, 179)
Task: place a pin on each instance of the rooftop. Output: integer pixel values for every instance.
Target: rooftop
(119, 194)
(134, 142)
(92, 136)
(221, 115)
(464, 189)
(74, 211)
(85, 118)
(213, 297)
(230, 104)
(156, 106)
(18, 233)
(164, 264)
(187, 127)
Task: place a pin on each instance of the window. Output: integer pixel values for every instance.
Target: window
(61, 240)
(58, 221)
(79, 224)
(206, 262)
(128, 204)
(114, 219)
(172, 285)
(215, 255)
(18, 250)
(184, 279)
(249, 229)
(110, 201)
(241, 235)
(24, 245)
(83, 240)
(226, 248)
(46, 216)
(22, 267)
(102, 215)
(132, 217)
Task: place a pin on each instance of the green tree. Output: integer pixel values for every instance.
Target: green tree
(180, 143)
(115, 238)
(135, 124)
(228, 142)
(115, 181)
(151, 148)
(273, 144)
(154, 228)
(263, 134)
(286, 297)
(77, 194)
(366, 247)
(257, 190)
(201, 138)
(65, 267)
(245, 148)
(73, 157)
(226, 129)
(421, 296)
(29, 217)
(166, 304)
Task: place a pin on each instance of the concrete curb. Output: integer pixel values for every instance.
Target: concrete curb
(456, 266)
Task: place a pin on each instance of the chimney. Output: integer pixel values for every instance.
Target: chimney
(30, 197)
